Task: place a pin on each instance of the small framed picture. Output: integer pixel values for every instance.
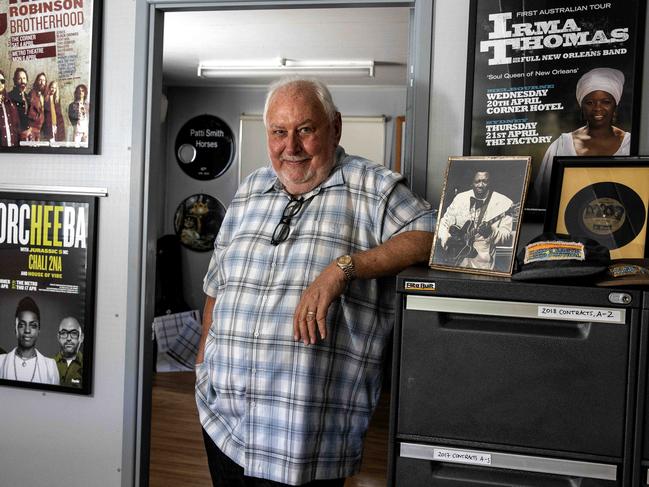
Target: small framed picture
(603, 198)
(479, 221)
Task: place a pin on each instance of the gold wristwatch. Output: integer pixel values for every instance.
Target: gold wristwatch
(346, 264)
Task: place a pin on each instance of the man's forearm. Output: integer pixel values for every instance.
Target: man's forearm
(393, 256)
(387, 259)
(207, 323)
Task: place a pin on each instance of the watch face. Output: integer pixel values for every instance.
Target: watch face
(344, 260)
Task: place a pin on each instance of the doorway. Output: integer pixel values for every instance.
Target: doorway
(166, 82)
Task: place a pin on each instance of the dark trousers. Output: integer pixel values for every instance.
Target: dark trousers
(226, 473)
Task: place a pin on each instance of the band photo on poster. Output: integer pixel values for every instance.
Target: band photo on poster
(480, 214)
(553, 78)
(48, 76)
(47, 291)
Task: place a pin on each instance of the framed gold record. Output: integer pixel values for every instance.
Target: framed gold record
(603, 198)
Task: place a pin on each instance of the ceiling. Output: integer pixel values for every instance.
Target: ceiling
(351, 34)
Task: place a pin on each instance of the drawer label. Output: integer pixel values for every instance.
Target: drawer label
(581, 314)
(419, 286)
(461, 456)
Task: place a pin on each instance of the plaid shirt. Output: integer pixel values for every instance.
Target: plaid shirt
(283, 410)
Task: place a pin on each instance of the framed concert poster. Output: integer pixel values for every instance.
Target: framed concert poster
(603, 198)
(553, 78)
(49, 76)
(47, 262)
(480, 215)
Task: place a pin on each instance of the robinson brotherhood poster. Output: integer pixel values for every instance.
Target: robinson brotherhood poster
(47, 291)
(48, 75)
(535, 71)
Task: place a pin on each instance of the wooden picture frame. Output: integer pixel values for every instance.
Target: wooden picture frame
(50, 51)
(525, 63)
(479, 214)
(47, 262)
(603, 198)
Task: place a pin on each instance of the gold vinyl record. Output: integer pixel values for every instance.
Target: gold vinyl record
(604, 204)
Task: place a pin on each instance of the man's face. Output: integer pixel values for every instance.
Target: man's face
(3, 84)
(21, 80)
(70, 337)
(27, 329)
(481, 184)
(301, 139)
(41, 82)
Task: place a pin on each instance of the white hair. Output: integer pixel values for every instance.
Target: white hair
(318, 88)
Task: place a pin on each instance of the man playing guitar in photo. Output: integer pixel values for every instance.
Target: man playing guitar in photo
(473, 225)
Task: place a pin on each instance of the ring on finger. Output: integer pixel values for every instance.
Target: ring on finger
(310, 315)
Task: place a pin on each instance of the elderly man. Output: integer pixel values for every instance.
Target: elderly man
(25, 363)
(474, 223)
(299, 306)
(69, 360)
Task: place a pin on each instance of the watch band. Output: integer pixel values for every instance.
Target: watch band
(346, 264)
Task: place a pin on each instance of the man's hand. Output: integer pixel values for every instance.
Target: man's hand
(312, 309)
(208, 307)
(485, 230)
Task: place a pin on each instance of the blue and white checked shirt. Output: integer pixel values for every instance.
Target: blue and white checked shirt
(283, 410)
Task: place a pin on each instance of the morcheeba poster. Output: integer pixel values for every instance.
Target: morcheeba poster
(47, 247)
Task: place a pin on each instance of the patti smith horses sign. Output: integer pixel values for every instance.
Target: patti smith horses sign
(536, 70)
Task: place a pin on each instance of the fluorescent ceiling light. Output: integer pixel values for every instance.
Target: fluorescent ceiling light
(282, 66)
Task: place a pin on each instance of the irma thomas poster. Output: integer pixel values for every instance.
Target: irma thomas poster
(533, 68)
(48, 75)
(47, 291)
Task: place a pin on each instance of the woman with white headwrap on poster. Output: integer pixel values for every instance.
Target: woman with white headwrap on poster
(598, 94)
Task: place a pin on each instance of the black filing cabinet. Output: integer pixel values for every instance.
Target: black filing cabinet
(641, 456)
(505, 383)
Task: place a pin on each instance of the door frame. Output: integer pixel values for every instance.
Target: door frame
(147, 95)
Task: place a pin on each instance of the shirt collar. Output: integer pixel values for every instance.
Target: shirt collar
(77, 358)
(335, 178)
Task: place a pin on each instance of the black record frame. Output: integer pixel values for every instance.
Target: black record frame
(603, 198)
(525, 58)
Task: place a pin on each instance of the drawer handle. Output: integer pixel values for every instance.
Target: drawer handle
(521, 326)
(468, 475)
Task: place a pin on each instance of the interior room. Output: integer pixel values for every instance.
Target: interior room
(500, 372)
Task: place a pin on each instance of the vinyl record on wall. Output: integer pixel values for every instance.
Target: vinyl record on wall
(197, 221)
(205, 147)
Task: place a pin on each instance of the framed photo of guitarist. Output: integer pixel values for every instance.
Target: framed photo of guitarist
(479, 214)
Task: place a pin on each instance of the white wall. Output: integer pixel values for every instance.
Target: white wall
(448, 85)
(55, 438)
(228, 104)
